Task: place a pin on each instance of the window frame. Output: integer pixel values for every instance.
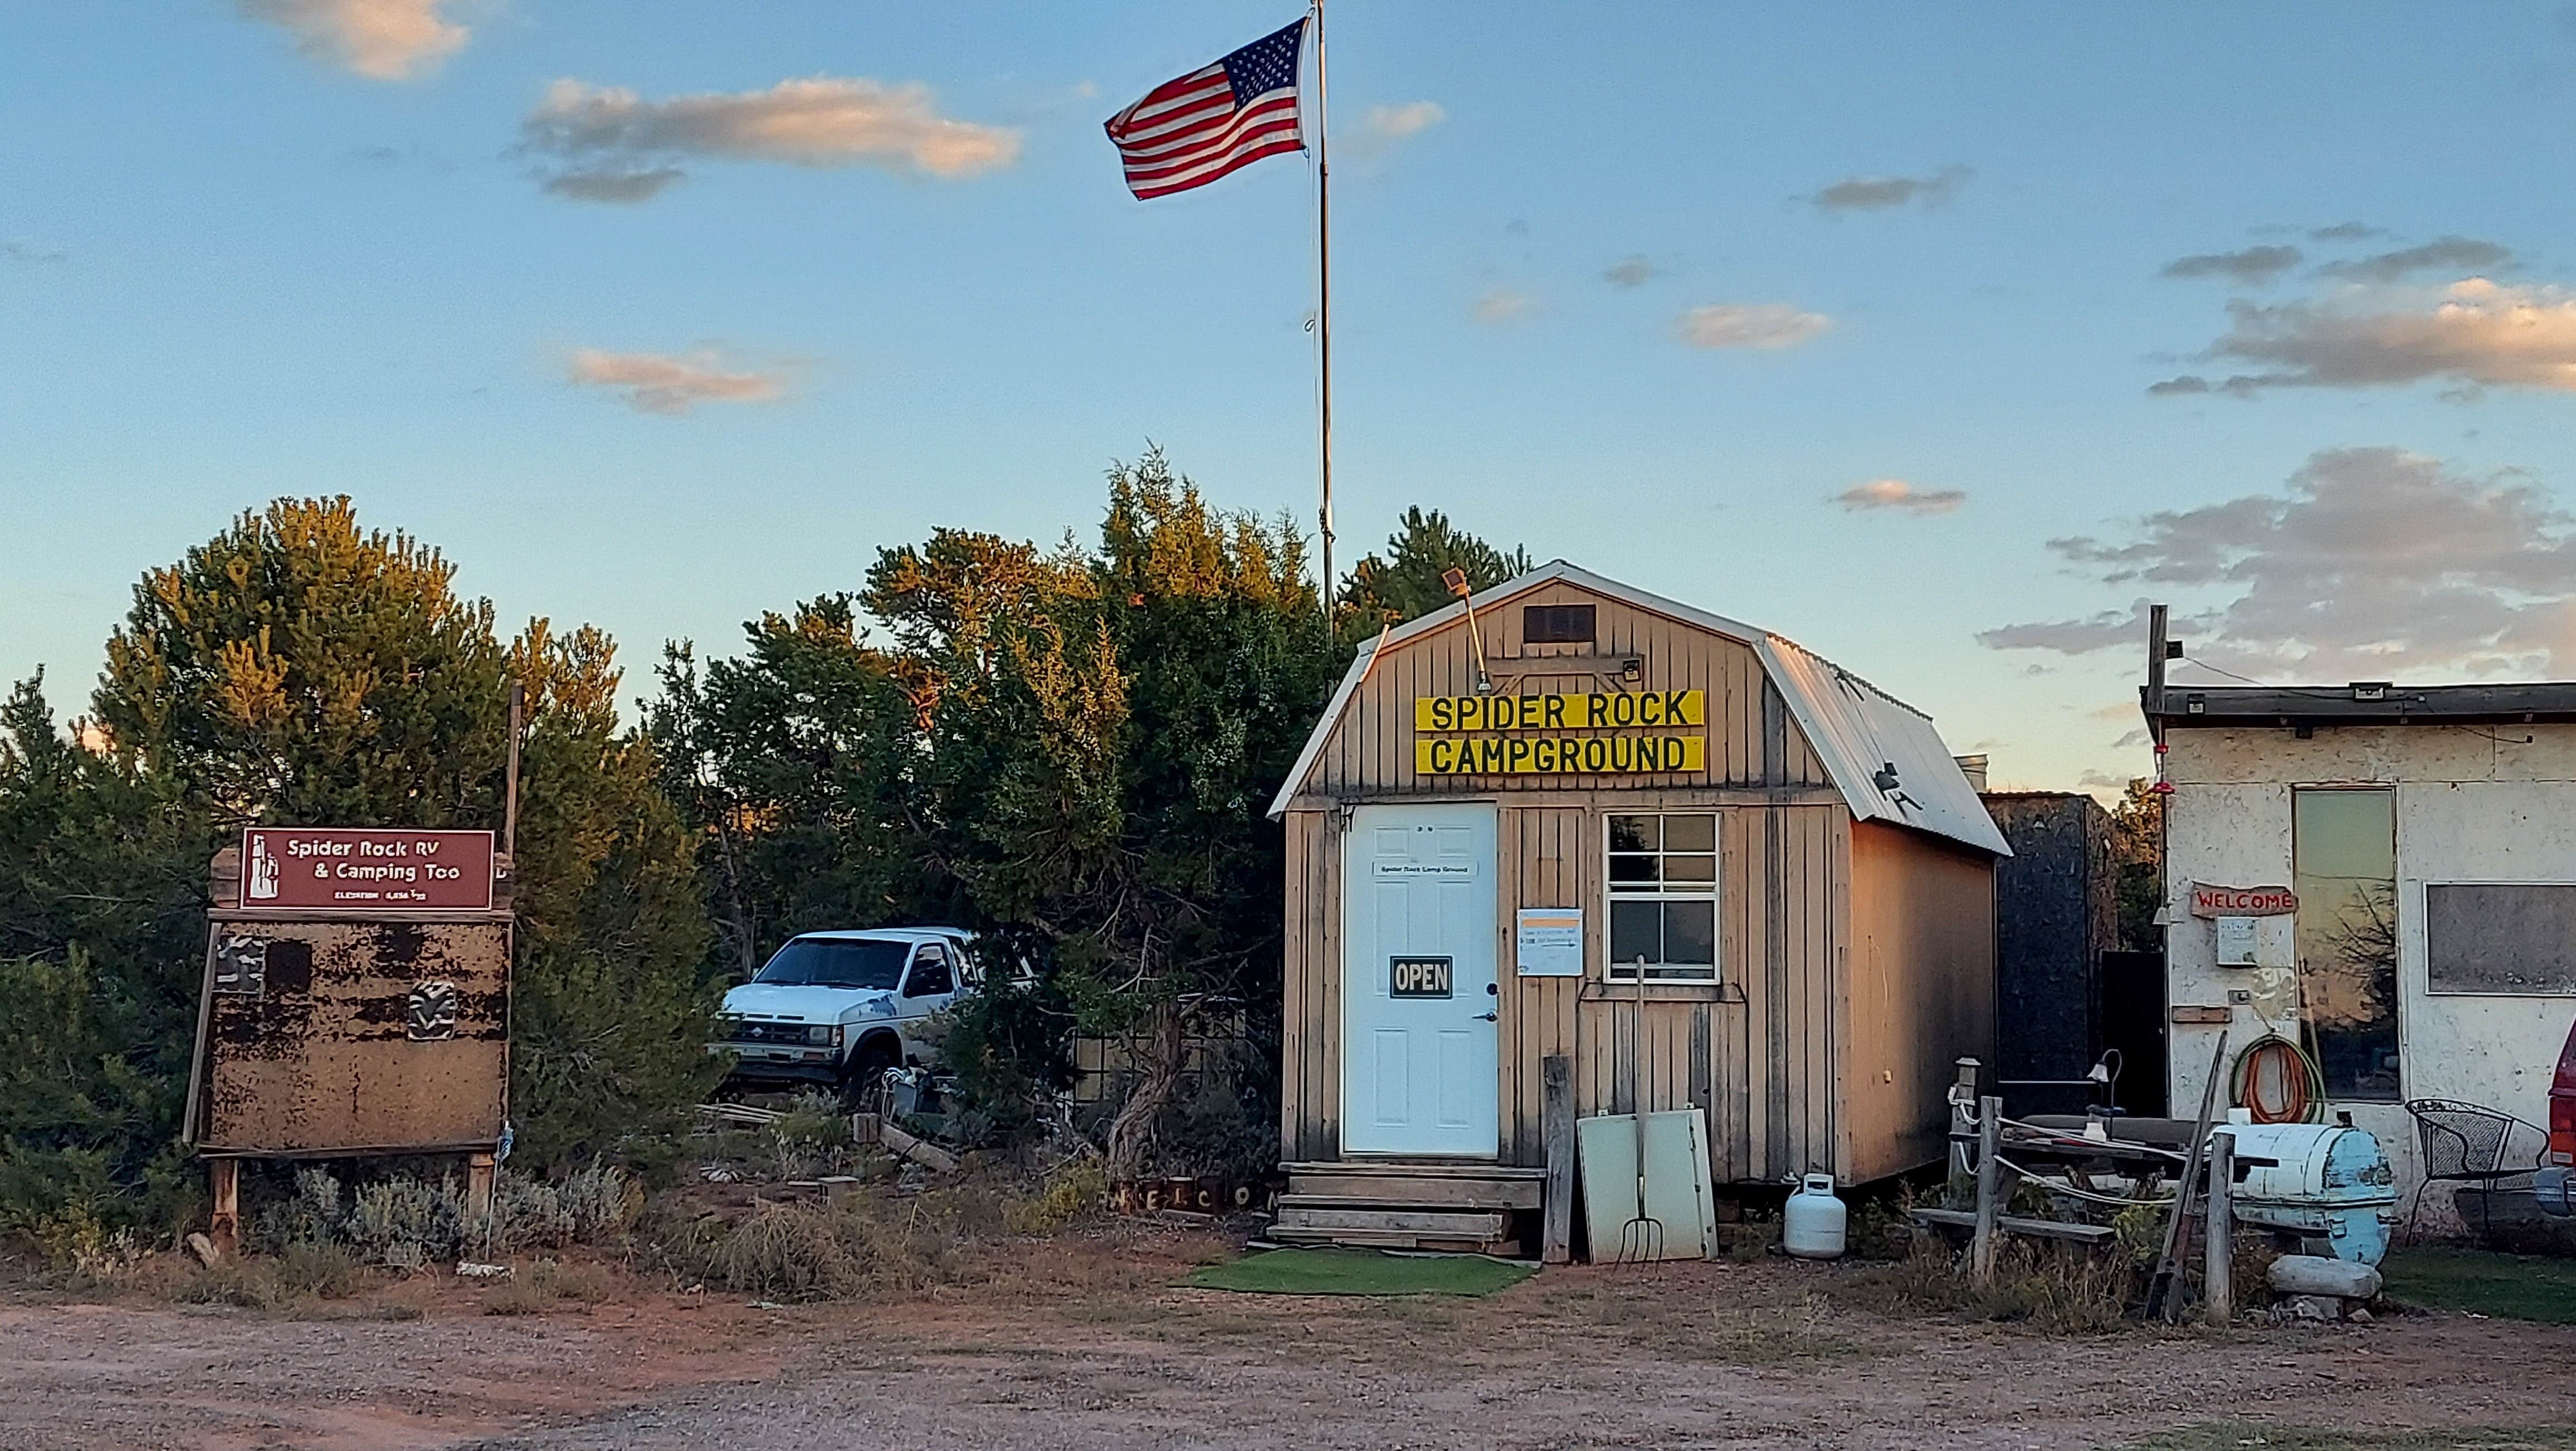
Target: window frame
(1531, 613)
(922, 958)
(1663, 974)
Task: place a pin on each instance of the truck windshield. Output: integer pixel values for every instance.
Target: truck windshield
(837, 962)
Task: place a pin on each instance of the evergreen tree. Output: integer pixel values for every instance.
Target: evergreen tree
(1404, 583)
(299, 669)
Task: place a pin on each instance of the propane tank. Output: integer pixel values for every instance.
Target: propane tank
(1811, 1224)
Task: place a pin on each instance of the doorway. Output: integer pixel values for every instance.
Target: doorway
(1421, 1071)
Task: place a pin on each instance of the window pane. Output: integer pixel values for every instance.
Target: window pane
(1690, 833)
(1636, 930)
(1632, 870)
(1690, 933)
(2344, 868)
(1690, 869)
(1633, 833)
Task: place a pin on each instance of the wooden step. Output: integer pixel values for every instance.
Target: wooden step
(1392, 1186)
(1416, 1168)
(1395, 1239)
(1443, 1224)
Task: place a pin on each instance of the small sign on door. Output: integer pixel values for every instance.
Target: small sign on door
(1418, 977)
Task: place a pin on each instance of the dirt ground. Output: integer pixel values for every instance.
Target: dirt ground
(1084, 1342)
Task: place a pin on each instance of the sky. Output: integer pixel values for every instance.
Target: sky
(1937, 339)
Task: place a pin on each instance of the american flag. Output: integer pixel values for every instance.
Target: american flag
(1190, 131)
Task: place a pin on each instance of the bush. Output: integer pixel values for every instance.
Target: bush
(303, 1272)
(2060, 1290)
(861, 1247)
(404, 1222)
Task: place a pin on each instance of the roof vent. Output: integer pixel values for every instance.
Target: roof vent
(2370, 690)
(1885, 777)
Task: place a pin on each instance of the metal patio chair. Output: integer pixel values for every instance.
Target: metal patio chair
(2468, 1143)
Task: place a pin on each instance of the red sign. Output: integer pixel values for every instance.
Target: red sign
(2209, 901)
(361, 869)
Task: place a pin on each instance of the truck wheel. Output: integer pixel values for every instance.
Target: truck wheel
(863, 1082)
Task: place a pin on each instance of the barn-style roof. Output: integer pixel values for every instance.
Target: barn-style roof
(1859, 730)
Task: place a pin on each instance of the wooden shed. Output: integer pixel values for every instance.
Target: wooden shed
(1506, 816)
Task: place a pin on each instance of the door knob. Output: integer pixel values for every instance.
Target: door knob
(1489, 1017)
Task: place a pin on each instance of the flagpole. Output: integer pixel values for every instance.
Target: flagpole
(1324, 306)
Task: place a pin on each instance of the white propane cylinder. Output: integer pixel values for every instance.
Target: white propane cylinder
(1811, 1225)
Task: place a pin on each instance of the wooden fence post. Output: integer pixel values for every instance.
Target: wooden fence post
(1981, 1249)
(1556, 1133)
(223, 1181)
(2218, 1240)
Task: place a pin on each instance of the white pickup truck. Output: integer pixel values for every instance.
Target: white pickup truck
(836, 1009)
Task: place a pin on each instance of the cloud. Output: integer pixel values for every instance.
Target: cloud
(1879, 193)
(31, 254)
(2255, 265)
(1630, 272)
(2371, 562)
(1751, 325)
(609, 144)
(1502, 305)
(2111, 781)
(1395, 123)
(617, 187)
(670, 383)
(2443, 254)
(2476, 332)
(385, 40)
(2346, 232)
(1900, 495)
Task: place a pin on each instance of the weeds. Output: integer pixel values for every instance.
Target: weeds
(302, 1272)
(536, 1288)
(1785, 1334)
(859, 1247)
(1072, 1190)
(2059, 1291)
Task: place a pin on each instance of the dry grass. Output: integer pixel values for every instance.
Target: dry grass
(290, 1280)
(534, 1289)
(2053, 1289)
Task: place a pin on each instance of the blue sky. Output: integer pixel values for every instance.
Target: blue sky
(305, 247)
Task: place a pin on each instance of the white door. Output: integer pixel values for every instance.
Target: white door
(1419, 1039)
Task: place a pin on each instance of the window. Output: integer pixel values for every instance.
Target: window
(1663, 897)
(930, 974)
(2343, 864)
(846, 962)
(2512, 938)
(1556, 624)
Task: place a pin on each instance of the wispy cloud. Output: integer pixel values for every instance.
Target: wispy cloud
(1395, 123)
(1630, 272)
(385, 40)
(2256, 265)
(2476, 332)
(2454, 255)
(1502, 305)
(2346, 232)
(1897, 494)
(1881, 193)
(606, 143)
(2370, 562)
(1767, 325)
(31, 254)
(673, 383)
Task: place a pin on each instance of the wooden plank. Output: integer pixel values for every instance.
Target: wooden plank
(1447, 1224)
(1444, 1193)
(1328, 976)
(1298, 841)
(1556, 1073)
(1700, 1083)
(1773, 1065)
(2010, 1224)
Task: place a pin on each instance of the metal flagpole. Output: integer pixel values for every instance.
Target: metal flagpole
(1324, 304)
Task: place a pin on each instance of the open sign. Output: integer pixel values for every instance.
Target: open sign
(1418, 977)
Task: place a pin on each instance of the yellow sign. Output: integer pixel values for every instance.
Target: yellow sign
(1558, 755)
(1560, 712)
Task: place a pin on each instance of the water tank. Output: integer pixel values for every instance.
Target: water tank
(2330, 1184)
(1811, 1226)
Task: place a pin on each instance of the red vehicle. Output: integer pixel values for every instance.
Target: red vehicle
(2562, 1108)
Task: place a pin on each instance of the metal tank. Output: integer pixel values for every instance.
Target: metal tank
(2330, 1184)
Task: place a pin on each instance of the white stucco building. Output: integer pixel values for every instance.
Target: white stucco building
(2428, 835)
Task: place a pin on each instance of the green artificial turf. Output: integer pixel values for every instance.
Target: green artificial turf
(1358, 1272)
(2510, 1287)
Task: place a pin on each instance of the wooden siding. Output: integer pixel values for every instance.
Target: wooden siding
(1756, 1051)
(1371, 755)
(1920, 985)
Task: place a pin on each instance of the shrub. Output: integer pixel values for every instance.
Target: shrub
(1074, 1188)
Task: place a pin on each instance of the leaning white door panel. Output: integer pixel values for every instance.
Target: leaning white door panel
(1419, 1043)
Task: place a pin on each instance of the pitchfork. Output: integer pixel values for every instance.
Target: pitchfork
(1641, 1239)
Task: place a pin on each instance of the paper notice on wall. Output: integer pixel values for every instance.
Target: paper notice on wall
(1550, 942)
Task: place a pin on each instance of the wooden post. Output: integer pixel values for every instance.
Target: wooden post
(2218, 1247)
(1963, 1098)
(2161, 1299)
(223, 1178)
(478, 1188)
(1990, 1175)
(1556, 1135)
(510, 786)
